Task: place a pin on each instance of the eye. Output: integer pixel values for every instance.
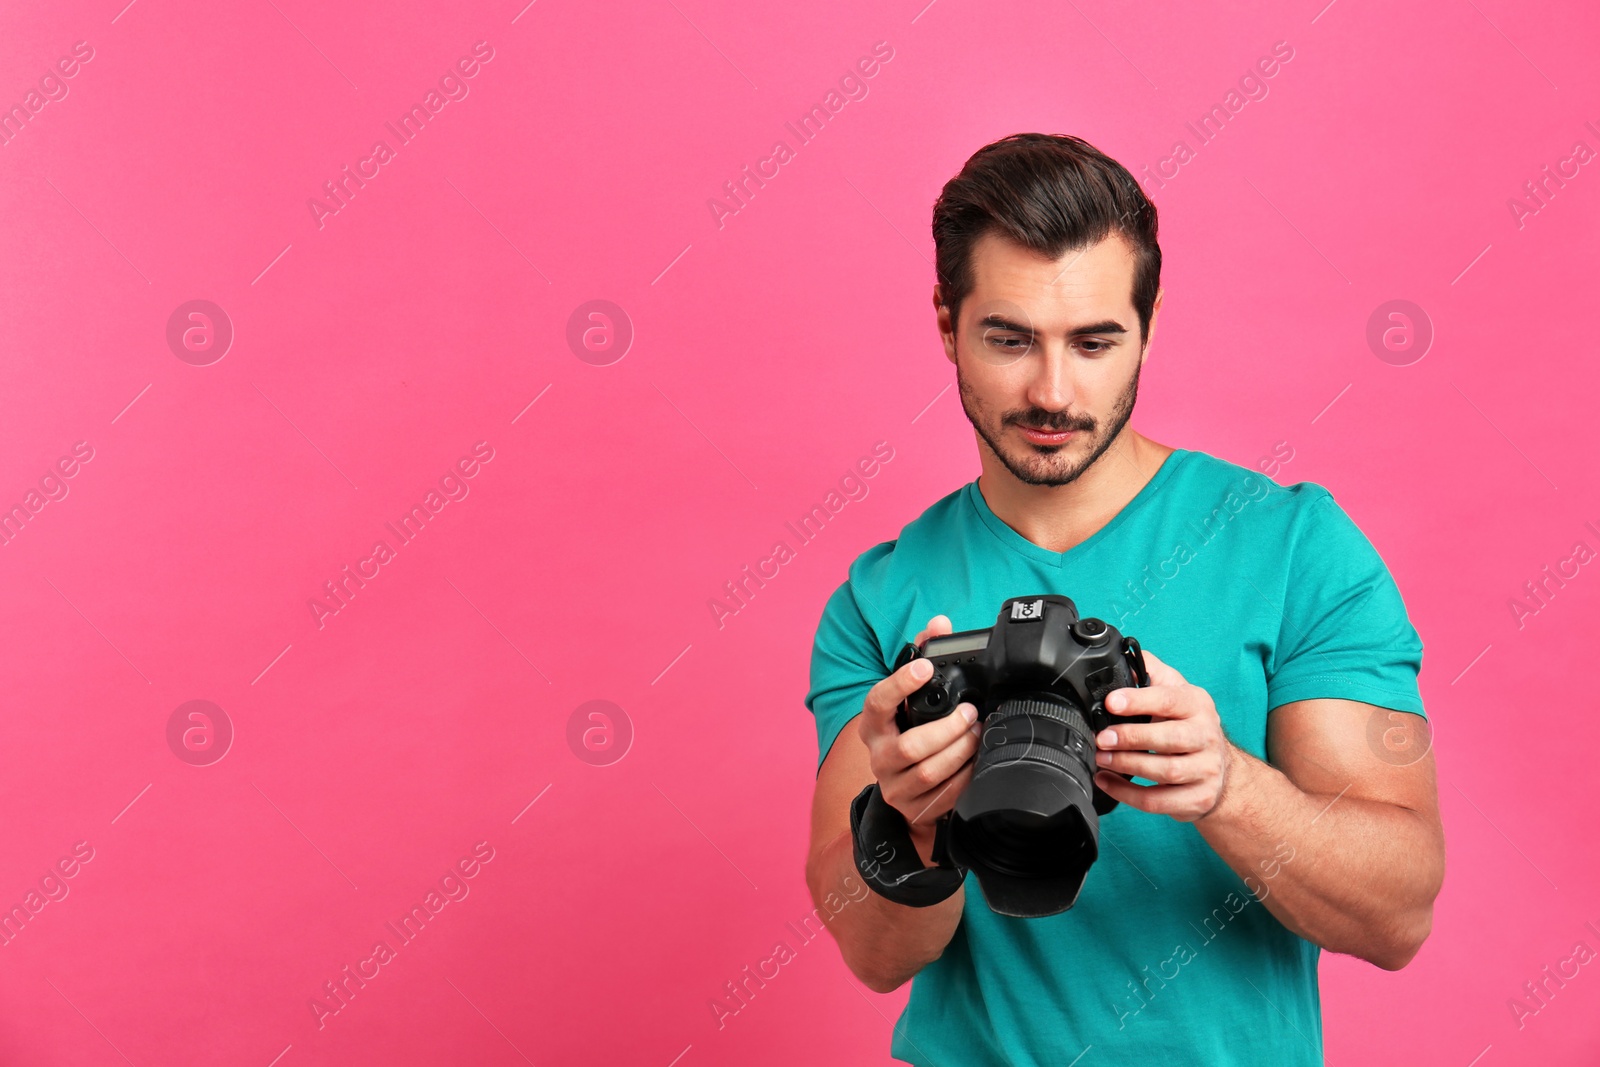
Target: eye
(1008, 343)
(1104, 346)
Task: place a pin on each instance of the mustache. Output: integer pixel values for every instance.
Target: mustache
(1044, 420)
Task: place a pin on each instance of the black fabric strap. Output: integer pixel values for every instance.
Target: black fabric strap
(887, 858)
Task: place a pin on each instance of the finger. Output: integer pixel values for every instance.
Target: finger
(1161, 769)
(920, 742)
(1174, 736)
(1164, 701)
(937, 626)
(936, 802)
(1119, 789)
(932, 772)
(1160, 673)
(1178, 800)
(883, 698)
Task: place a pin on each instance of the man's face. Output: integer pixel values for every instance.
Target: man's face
(1048, 345)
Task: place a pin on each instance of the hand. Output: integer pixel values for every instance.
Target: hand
(1183, 750)
(922, 771)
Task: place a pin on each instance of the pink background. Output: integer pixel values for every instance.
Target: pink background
(370, 354)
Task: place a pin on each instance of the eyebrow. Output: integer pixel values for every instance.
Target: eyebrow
(1001, 322)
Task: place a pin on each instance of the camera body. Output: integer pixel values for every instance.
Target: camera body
(1028, 822)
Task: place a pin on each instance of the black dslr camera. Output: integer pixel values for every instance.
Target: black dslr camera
(1028, 823)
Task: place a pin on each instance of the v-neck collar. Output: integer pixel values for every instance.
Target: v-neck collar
(1018, 543)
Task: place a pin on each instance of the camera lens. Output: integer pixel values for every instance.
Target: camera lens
(1027, 821)
(1027, 845)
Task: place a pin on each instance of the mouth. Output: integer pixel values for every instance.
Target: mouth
(1046, 437)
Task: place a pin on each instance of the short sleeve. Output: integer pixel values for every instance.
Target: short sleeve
(1344, 632)
(845, 662)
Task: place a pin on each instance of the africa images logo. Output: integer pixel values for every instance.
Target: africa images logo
(338, 992)
(453, 86)
(453, 486)
(738, 592)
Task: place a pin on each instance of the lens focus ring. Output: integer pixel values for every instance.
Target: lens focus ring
(1034, 708)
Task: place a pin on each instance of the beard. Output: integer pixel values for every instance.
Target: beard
(1049, 464)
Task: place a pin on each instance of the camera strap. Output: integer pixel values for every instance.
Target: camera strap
(887, 858)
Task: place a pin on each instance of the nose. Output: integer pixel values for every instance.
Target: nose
(1052, 387)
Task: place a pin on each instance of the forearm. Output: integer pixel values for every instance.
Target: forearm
(1363, 874)
(883, 943)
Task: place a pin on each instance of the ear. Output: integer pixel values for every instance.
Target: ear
(1155, 312)
(946, 328)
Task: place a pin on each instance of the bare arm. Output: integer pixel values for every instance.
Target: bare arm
(921, 773)
(1368, 843)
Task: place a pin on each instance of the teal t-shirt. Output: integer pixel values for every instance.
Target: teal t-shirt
(1261, 594)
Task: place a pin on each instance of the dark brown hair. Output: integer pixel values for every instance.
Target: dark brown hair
(1051, 193)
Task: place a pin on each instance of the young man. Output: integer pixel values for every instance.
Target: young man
(1283, 798)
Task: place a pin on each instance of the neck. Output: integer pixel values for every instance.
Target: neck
(1058, 517)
